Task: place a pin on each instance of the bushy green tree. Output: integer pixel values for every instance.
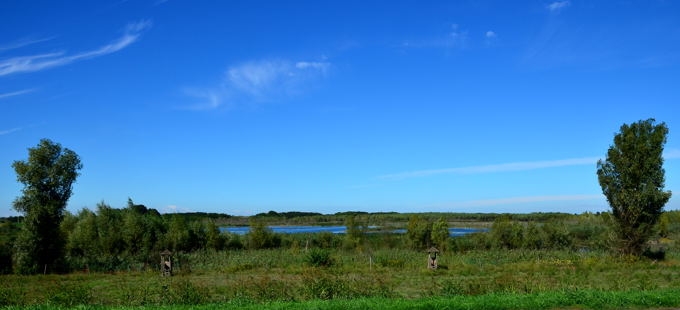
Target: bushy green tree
(8, 232)
(440, 234)
(109, 239)
(664, 224)
(419, 232)
(261, 237)
(47, 176)
(83, 246)
(215, 240)
(507, 233)
(558, 234)
(177, 237)
(354, 235)
(534, 237)
(632, 178)
(110, 230)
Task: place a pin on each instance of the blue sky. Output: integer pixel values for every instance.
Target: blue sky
(243, 107)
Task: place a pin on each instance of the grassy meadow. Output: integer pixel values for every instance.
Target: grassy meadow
(279, 277)
(568, 262)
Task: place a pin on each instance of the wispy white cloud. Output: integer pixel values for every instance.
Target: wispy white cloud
(8, 131)
(455, 38)
(490, 38)
(208, 99)
(39, 62)
(557, 6)
(259, 78)
(517, 166)
(259, 81)
(508, 167)
(317, 65)
(518, 200)
(16, 93)
(21, 43)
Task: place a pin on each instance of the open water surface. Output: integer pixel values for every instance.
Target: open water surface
(242, 230)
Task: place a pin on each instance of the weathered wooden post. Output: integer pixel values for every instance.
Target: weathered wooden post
(166, 263)
(432, 258)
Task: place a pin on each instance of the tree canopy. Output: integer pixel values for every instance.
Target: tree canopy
(47, 176)
(632, 178)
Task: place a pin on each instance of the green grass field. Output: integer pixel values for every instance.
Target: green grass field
(578, 299)
(395, 279)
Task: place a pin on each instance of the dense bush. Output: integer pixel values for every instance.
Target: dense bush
(419, 232)
(507, 234)
(261, 237)
(319, 258)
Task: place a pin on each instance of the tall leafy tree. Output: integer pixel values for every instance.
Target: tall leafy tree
(47, 176)
(632, 179)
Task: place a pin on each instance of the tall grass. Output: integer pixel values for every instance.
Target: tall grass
(566, 299)
(283, 275)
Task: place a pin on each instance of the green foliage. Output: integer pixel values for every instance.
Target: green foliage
(265, 277)
(287, 215)
(440, 234)
(319, 258)
(8, 232)
(261, 237)
(354, 235)
(113, 239)
(558, 234)
(215, 240)
(47, 176)
(534, 237)
(664, 225)
(130, 239)
(507, 234)
(178, 236)
(419, 232)
(184, 292)
(325, 240)
(70, 295)
(632, 179)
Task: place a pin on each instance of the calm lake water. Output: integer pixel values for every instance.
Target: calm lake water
(242, 230)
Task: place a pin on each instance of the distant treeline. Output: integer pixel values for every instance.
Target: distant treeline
(380, 218)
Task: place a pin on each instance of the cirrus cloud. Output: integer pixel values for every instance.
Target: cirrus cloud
(557, 6)
(506, 167)
(38, 62)
(16, 93)
(259, 81)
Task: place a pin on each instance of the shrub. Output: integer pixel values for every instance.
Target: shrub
(319, 258)
(558, 235)
(535, 238)
(419, 232)
(261, 237)
(507, 234)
